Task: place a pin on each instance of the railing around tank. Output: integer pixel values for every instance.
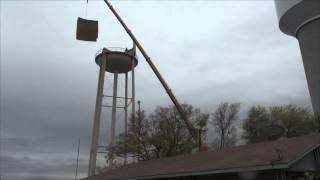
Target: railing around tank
(112, 49)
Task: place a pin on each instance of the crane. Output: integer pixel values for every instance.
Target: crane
(195, 133)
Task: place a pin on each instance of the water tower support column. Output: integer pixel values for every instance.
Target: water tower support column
(97, 115)
(114, 108)
(133, 91)
(125, 118)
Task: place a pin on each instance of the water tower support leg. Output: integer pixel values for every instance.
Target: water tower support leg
(96, 123)
(114, 107)
(133, 91)
(125, 118)
(114, 114)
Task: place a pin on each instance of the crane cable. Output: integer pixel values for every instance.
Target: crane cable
(87, 8)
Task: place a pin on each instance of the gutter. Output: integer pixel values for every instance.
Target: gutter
(219, 171)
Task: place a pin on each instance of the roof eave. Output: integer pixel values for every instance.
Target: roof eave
(220, 171)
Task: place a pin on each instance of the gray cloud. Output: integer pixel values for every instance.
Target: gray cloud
(208, 51)
(39, 167)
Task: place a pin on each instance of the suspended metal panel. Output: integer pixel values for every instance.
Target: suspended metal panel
(87, 30)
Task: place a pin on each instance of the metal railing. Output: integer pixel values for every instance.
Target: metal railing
(113, 49)
(117, 49)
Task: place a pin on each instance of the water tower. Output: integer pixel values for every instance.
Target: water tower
(115, 61)
(301, 19)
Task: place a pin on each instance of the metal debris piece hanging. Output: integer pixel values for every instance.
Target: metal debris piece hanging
(87, 30)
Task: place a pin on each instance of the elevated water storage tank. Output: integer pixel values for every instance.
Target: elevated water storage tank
(301, 19)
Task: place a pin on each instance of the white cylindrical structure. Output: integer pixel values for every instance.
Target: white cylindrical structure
(301, 19)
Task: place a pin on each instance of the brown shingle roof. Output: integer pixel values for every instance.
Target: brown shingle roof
(272, 154)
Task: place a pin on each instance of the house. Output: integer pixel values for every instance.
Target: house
(293, 159)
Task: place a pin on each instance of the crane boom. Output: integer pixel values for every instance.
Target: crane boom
(191, 128)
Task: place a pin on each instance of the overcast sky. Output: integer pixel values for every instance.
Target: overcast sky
(208, 51)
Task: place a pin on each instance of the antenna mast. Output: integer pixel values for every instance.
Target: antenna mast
(77, 164)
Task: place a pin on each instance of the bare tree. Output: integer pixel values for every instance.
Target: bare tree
(224, 120)
(169, 135)
(162, 134)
